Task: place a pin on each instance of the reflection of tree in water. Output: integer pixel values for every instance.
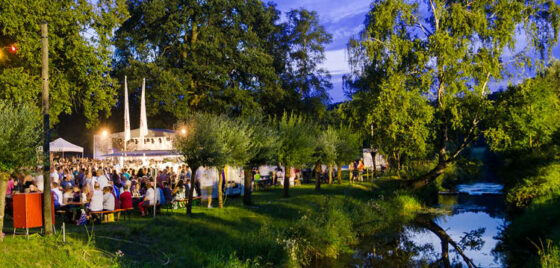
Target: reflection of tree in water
(397, 250)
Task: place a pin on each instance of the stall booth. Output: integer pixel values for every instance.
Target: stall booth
(61, 145)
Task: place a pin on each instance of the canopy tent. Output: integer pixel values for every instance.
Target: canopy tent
(61, 145)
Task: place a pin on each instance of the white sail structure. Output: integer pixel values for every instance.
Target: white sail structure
(143, 118)
(126, 113)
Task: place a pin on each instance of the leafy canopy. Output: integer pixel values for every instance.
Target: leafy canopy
(297, 140)
(445, 53)
(20, 134)
(526, 116)
(79, 54)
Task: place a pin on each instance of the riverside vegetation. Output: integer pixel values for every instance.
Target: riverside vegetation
(307, 229)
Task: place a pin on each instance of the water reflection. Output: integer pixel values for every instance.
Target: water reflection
(470, 226)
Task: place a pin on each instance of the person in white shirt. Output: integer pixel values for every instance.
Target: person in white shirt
(54, 175)
(96, 203)
(102, 180)
(206, 179)
(148, 199)
(39, 181)
(279, 176)
(108, 199)
(58, 194)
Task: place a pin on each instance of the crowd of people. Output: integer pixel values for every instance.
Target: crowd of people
(81, 186)
(86, 185)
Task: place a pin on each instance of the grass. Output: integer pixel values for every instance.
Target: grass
(307, 228)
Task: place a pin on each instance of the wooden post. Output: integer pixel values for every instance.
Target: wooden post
(47, 208)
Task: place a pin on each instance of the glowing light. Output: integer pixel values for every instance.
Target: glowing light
(13, 48)
(183, 131)
(104, 133)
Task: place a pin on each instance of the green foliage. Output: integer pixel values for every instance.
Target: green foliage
(307, 38)
(549, 255)
(321, 233)
(297, 140)
(544, 183)
(199, 55)
(521, 239)
(80, 35)
(264, 141)
(348, 146)
(228, 57)
(20, 134)
(401, 121)
(441, 54)
(525, 117)
(216, 141)
(326, 146)
(462, 171)
(52, 252)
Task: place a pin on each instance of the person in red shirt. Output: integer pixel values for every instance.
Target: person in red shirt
(126, 198)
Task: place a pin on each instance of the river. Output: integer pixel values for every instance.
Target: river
(477, 210)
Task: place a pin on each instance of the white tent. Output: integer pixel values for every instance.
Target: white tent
(61, 145)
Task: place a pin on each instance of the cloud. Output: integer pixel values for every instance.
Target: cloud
(336, 62)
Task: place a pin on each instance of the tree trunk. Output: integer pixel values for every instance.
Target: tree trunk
(339, 173)
(330, 173)
(191, 190)
(446, 240)
(4, 177)
(373, 154)
(220, 189)
(287, 183)
(247, 186)
(318, 177)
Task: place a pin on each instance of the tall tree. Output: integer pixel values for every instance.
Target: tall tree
(20, 134)
(79, 54)
(305, 42)
(208, 56)
(449, 51)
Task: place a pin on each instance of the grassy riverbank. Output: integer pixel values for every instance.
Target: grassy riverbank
(307, 228)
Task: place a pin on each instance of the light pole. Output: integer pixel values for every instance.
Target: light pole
(47, 207)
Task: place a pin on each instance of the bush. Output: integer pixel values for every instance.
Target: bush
(324, 233)
(545, 183)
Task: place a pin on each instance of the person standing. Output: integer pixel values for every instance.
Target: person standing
(207, 183)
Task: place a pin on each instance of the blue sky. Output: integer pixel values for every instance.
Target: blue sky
(343, 19)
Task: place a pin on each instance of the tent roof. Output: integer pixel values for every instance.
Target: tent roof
(61, 145)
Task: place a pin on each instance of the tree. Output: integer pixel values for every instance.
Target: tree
(200, 56)
(18, 142)
(325, 153)
(347, 147)
(449, 51)
(400, 121)
(203, 145)
(263, 150)
(526, 116)
(305, 41)
(215, 141)
(79, 54)
(296, 144)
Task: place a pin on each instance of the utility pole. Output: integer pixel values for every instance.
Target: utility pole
(47, 207)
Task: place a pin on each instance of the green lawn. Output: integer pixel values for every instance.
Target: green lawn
(323, 224)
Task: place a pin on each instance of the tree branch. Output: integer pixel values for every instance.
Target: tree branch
(426, 32)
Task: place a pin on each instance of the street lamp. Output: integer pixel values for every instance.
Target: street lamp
(104, 133)
(183, 131)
